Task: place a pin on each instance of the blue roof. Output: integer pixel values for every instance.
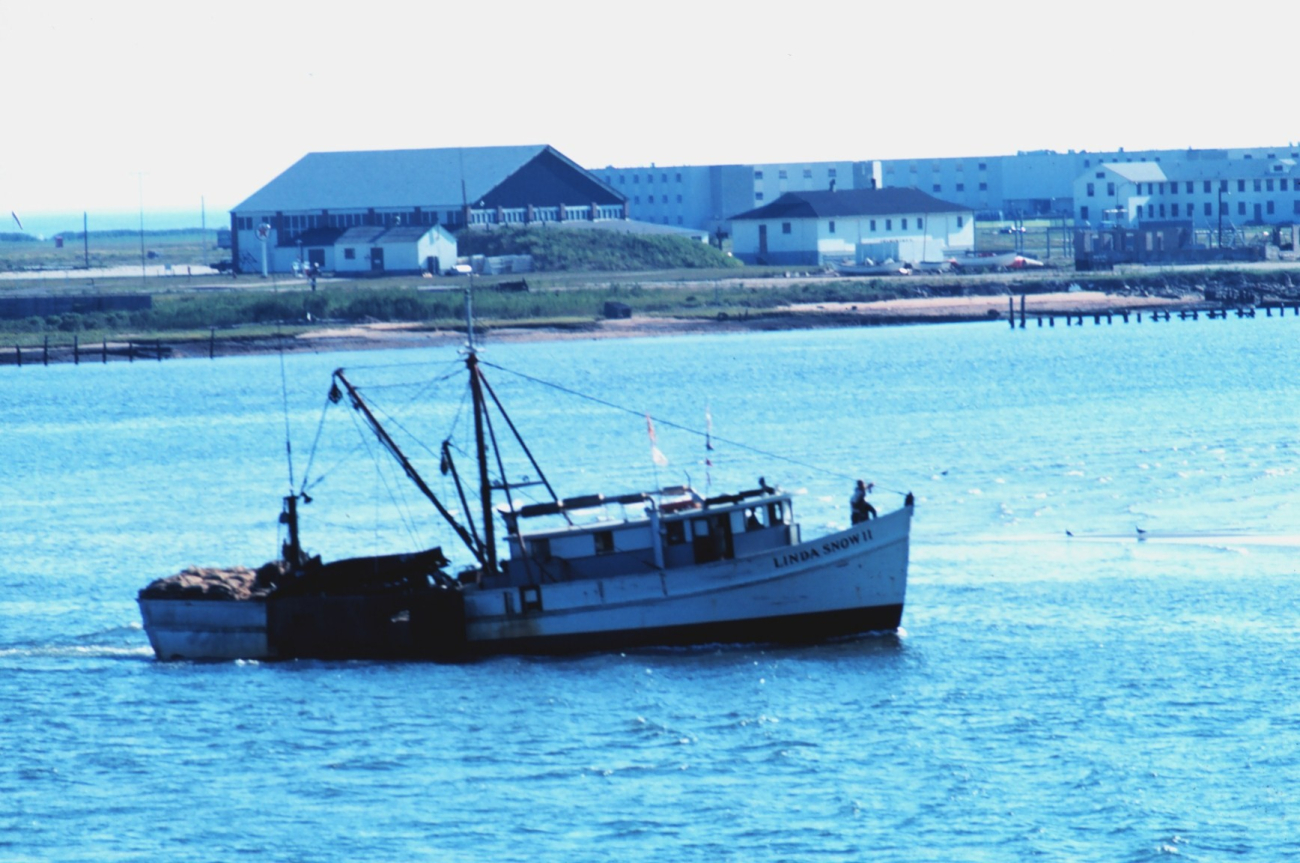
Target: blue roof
(390, 178)
(851, 202)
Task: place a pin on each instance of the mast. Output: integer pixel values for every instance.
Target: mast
(480, 442)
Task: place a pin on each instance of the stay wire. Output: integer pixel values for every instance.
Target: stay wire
(671, 424)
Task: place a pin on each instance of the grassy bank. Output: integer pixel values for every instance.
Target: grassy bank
(263, 308)
(558, 249)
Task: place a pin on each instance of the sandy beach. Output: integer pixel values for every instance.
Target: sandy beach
(798, 316)
(376, 336)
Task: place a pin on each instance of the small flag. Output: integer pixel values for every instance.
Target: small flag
(18, 220)
(708, 447)
(708, 432)
(655, 455)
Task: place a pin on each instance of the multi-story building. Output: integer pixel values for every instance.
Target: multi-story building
(1026, 184)
(1208, 193)
(705, 197)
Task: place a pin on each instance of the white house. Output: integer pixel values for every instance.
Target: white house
(830, 226)
(1211, 194)
(400, 249)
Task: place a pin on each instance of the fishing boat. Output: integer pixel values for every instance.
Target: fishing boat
(588, 572)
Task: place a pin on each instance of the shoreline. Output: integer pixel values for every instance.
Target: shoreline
(383, 336)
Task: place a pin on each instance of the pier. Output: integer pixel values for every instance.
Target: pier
(1048, 318)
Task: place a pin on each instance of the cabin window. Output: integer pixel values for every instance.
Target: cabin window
(938, 188)
(1092, 190)
(920, 223)
(960, 221)
(889, 224)
(785, 227)
(905, 224)
(350, 254)
(873, 224)
(754, 518)
(541, 549)
(831, 227)
(807, 173)
(775, 513)
(758, 175)
(675, 532)
(604, 540)
(961, 187)
(780, 175)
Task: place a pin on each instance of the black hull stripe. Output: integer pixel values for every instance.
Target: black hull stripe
(786, 629)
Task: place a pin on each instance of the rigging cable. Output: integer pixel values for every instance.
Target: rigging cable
(674, 425)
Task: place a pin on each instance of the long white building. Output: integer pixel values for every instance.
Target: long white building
(1209, 194)
(825, 226)
(1009, 186)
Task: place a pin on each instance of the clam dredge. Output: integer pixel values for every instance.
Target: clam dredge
(591, 572)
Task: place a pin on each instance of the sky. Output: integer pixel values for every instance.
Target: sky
(118, 107)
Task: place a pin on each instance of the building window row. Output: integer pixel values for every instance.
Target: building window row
(636, 178)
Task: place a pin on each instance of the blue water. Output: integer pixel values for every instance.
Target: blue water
(1054, 697)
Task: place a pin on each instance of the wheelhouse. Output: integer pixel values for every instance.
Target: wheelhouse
(643, 532)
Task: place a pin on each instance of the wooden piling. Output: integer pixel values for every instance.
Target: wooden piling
(105, 353)
(45, 352)
(18, 352)
(1011, 311)
(1022, 311)
(130, 352)
(76, 350)
(212, 344)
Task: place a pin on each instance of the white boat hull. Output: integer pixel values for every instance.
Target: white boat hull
(206, 628)
(843, 583)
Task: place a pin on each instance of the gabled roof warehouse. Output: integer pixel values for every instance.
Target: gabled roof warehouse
(451, 186)
(493, 176)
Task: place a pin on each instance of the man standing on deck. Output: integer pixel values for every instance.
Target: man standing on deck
(859, 507)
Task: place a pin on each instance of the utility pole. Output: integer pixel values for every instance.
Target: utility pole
(140, 178)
